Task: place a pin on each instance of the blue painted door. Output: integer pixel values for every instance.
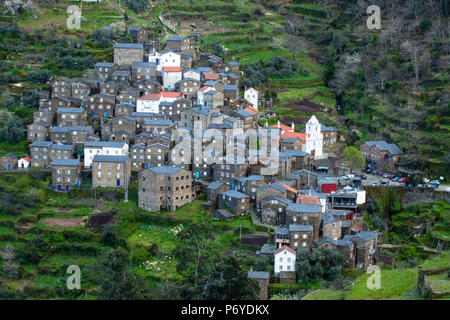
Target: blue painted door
(232, 186)
(59, 187)
(118, 183)
(98, 85)
(67, 188)
(105, 114)
(9, 167)
(197, 174)
(78, 183)
(92, 113)
(146, 165)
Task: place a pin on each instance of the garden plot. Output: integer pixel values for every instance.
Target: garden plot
(62, 222)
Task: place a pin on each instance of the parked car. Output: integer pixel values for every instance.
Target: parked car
(373, 172)
(394, 179)
(435, 182)
(363, 176)
(402, 180)
(369, 171)
(379, 173)
(374, 183)
(387, 176)
(385, 183)
(402, 184)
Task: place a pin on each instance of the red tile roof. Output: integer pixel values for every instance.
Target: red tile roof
(251, 110)
(281, 126)
(151, 96)
(171, 69)
(203, 89)
(307, 199)
(301, 136)
(27, 159)
(211, 76)
(171, 94)
(285, 248)
(357, 228)
(289, 188)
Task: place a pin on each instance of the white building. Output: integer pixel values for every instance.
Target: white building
(201, 94)
(252, 96)
(171, 75)
(314, 138)
(106, 148)
(166, 58)
(284, 260)
(148, 103)
(191, 74)
(24, 163)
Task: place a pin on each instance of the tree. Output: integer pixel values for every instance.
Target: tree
(325, 263)
(229, 281)
(35, 249)
(125, 16)
(137, 5)
(354, 158)
(196, 254)
(295, 45)
(217, 49)
(108, 234)
(13, 131)
(117, 282)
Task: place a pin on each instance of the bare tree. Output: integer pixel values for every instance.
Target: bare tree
(295, 45)
(10, 266)
(413, 50)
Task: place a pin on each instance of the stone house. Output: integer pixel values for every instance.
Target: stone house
(123, 109)
(300, 236)
(56, 102)
(329, 136)
(65, 174)
(127, 53)
(141, 117)
(164, 187)
(270, 190)
(248, 185)
(122, 77)
(110, 88)
(104, 70)
(80, 89)
(262, 277)
(179, 106)
(189, 116)
(299, 159)
(213, 99)
(380, 155)
(143, 71)
(186, 61)
(70, 135)
(305, 179)
(8, 161)
(232, 67)
(67, 117)
(62, 88)
(230, 92)
(331, 226)
(61, 151)
(305, 214)
(127, 98)
(43, 116)
(93, 148)
(148, 86)
(281, 236)
(179, 43)
(291, 144)
(110, 171)
(226, 172)
(188, 87)
(222, 215)
(153, 126)
(214, 189)
(273, 210)
(139, 34)
(38, 131)
(247, 118)
(101, 105)
(121, 136)
(39, 151)
(234, 200)
(365, 247)
(124, 123)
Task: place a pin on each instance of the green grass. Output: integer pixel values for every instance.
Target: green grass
(440, 261)
(324, 294)
(394, 284)
(19, 148)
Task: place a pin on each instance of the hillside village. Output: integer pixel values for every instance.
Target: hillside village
(170, 127)
(147, 108)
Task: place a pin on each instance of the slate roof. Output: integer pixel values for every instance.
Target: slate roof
(300, 227)
(324, 128)
(65, 162)
(283, 230)
(295, 153)
(11, 155)
(243, 113)
(274, 186)
(165, 170)
(307, 208)
(234, 194)
(148, 114)
(41, 144)
(176, 37)
(107, 158)
(383, 145)
(61, 147)
(258, 275)
(141, 64)
(106, 144)
(221, 212)
(283, 200)
(230, 87)
(158, 122)
(268, 248)
(70, 110)
(128, 45)
(367, 235)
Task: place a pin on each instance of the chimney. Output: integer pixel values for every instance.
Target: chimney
(278, 124)
(251, 268)
(292, 126)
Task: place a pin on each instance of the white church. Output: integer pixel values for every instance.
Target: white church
(314, 138)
